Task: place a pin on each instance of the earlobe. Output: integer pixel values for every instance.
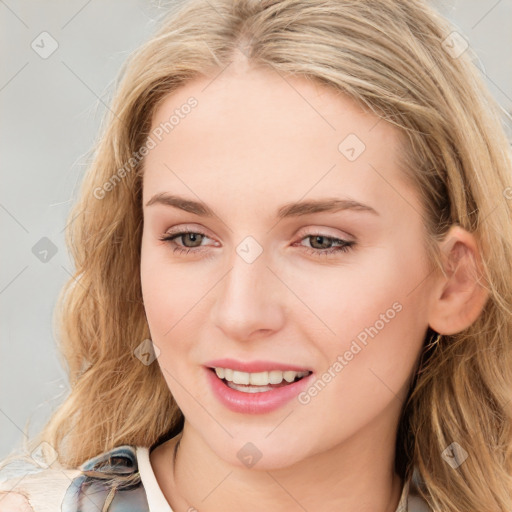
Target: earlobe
(458, 296)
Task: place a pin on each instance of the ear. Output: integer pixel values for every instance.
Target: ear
(459, 296)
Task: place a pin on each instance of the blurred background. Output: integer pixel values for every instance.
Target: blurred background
(59, 61)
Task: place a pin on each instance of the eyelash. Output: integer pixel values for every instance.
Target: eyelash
(345, 247)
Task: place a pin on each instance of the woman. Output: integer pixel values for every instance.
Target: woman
(292, 286)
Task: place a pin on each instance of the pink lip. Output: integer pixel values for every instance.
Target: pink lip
(253, 366)
(254, 403)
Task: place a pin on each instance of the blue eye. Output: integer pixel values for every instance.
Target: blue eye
(340, 245)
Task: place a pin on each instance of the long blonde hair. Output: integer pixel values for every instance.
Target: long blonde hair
(396, 58)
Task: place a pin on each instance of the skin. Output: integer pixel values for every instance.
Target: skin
(13, 501)
(254, 142)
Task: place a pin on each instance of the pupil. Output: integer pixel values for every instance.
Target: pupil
(318, 239)
(193, 236)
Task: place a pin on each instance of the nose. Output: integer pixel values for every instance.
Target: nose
(249, 301)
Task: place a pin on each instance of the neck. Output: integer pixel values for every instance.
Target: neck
(350, 477)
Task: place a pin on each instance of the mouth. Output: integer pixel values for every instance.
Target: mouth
(257, 382)
(259, 392)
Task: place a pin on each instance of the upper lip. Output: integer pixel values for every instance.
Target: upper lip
(254, 366)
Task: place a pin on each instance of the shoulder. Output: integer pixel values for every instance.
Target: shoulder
(415, 500)
(35, 491)
(110, 479)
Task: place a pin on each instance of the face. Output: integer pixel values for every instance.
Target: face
(339, 292)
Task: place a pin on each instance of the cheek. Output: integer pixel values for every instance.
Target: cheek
(373, 314)
(369, 362)
(345, 299)
(151, 286)
(167, 292)
(169, 298)
(174, 302)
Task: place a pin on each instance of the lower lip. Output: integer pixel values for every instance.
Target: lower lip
(255, 403)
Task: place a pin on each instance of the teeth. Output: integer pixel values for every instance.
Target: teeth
(258, 379)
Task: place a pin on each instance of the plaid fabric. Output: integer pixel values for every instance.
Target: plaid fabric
(109, 482)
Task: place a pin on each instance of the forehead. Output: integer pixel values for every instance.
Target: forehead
(254, 134)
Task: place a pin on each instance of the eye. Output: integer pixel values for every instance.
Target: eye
(321, 239)
(334, 245)
(194, 236)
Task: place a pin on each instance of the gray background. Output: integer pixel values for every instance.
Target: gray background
(50, 114)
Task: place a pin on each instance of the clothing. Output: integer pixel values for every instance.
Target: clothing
(155, 496)
(119, 480)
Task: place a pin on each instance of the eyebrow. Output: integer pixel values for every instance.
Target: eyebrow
(294, 209)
